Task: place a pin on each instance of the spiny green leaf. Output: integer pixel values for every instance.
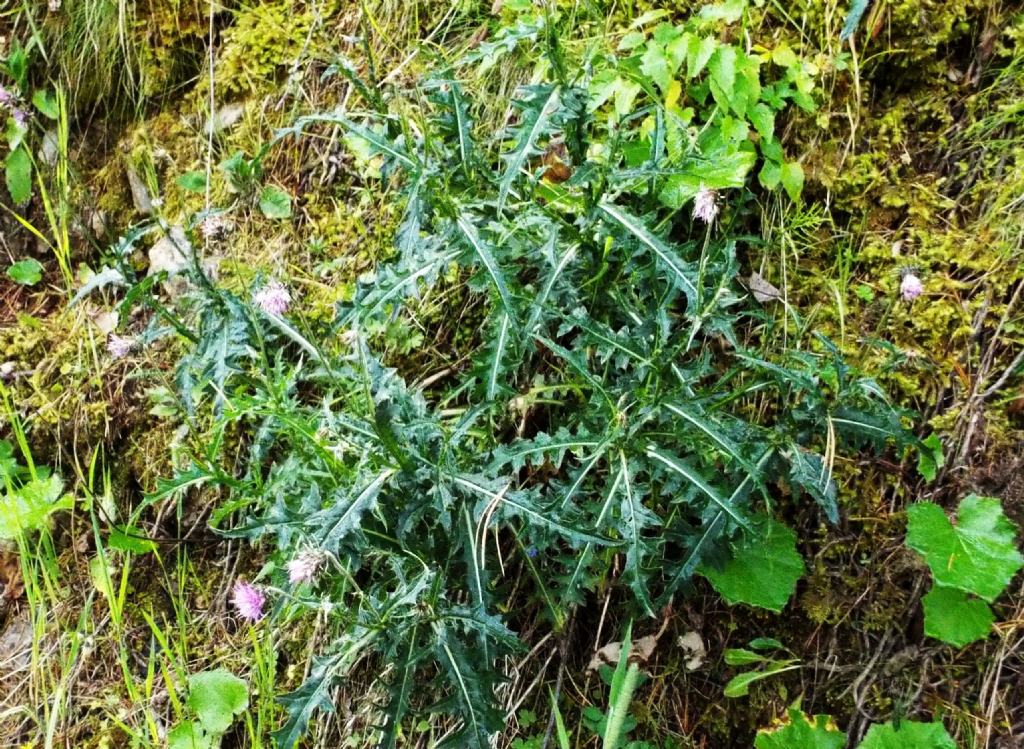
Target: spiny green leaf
(715, 433)
(472, 692)
(853, 16)
(541, 448)
(694, 477)
(538, 109)
(634, 518)
(680, 273)
(336, 522)
(485, 253)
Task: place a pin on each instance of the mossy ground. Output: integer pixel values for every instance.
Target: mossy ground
(914, 161)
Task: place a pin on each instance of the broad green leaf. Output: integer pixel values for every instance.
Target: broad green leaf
(784, 56)
(951, 616)
(727, 11)
(26, 272)
(762, 117)
(192, 181)
(131, 539)
(722, 67)
(717, 171)
(656, 65)
(29, 507)
(698, 51)
(18, 171)
(631, 40)
(802, 732)
(770, 175)
(908, 735)
(189, 735)
(977, 555)
(792, 177)
(763, 570)
(46, 103)
(216, 697)
(275, 202)
(930, 457)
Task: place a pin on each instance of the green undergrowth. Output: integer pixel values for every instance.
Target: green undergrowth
(401, 382)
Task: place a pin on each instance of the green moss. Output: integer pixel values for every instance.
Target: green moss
(264, 39)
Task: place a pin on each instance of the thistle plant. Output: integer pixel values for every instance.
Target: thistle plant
(616, 404)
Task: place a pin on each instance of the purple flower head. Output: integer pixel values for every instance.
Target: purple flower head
(248, 600)
(705, 205)
(911, 287)
(6, 97)
(20, 116)
(273, 298)
(119, 346)
(303, 568)
(531, 551)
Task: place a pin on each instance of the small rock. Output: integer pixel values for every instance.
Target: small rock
(693, 649)
(16, 644)
(49, 151)
(98, 223)
(224, 117)
(140, 193)
(762, 290)
(106, 322)
(171, 253)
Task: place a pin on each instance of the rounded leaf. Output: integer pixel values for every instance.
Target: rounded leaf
(216, 697)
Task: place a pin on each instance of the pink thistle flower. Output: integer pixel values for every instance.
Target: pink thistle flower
(273, 298)
(705, 205)
(248, 600)
(119, 346)
(911, 287)
(303, 568)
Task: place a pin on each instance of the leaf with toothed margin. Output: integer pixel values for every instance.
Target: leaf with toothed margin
(633, 520)
(538, 109)
(694, 476)
(470, 237)
(680, 273)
